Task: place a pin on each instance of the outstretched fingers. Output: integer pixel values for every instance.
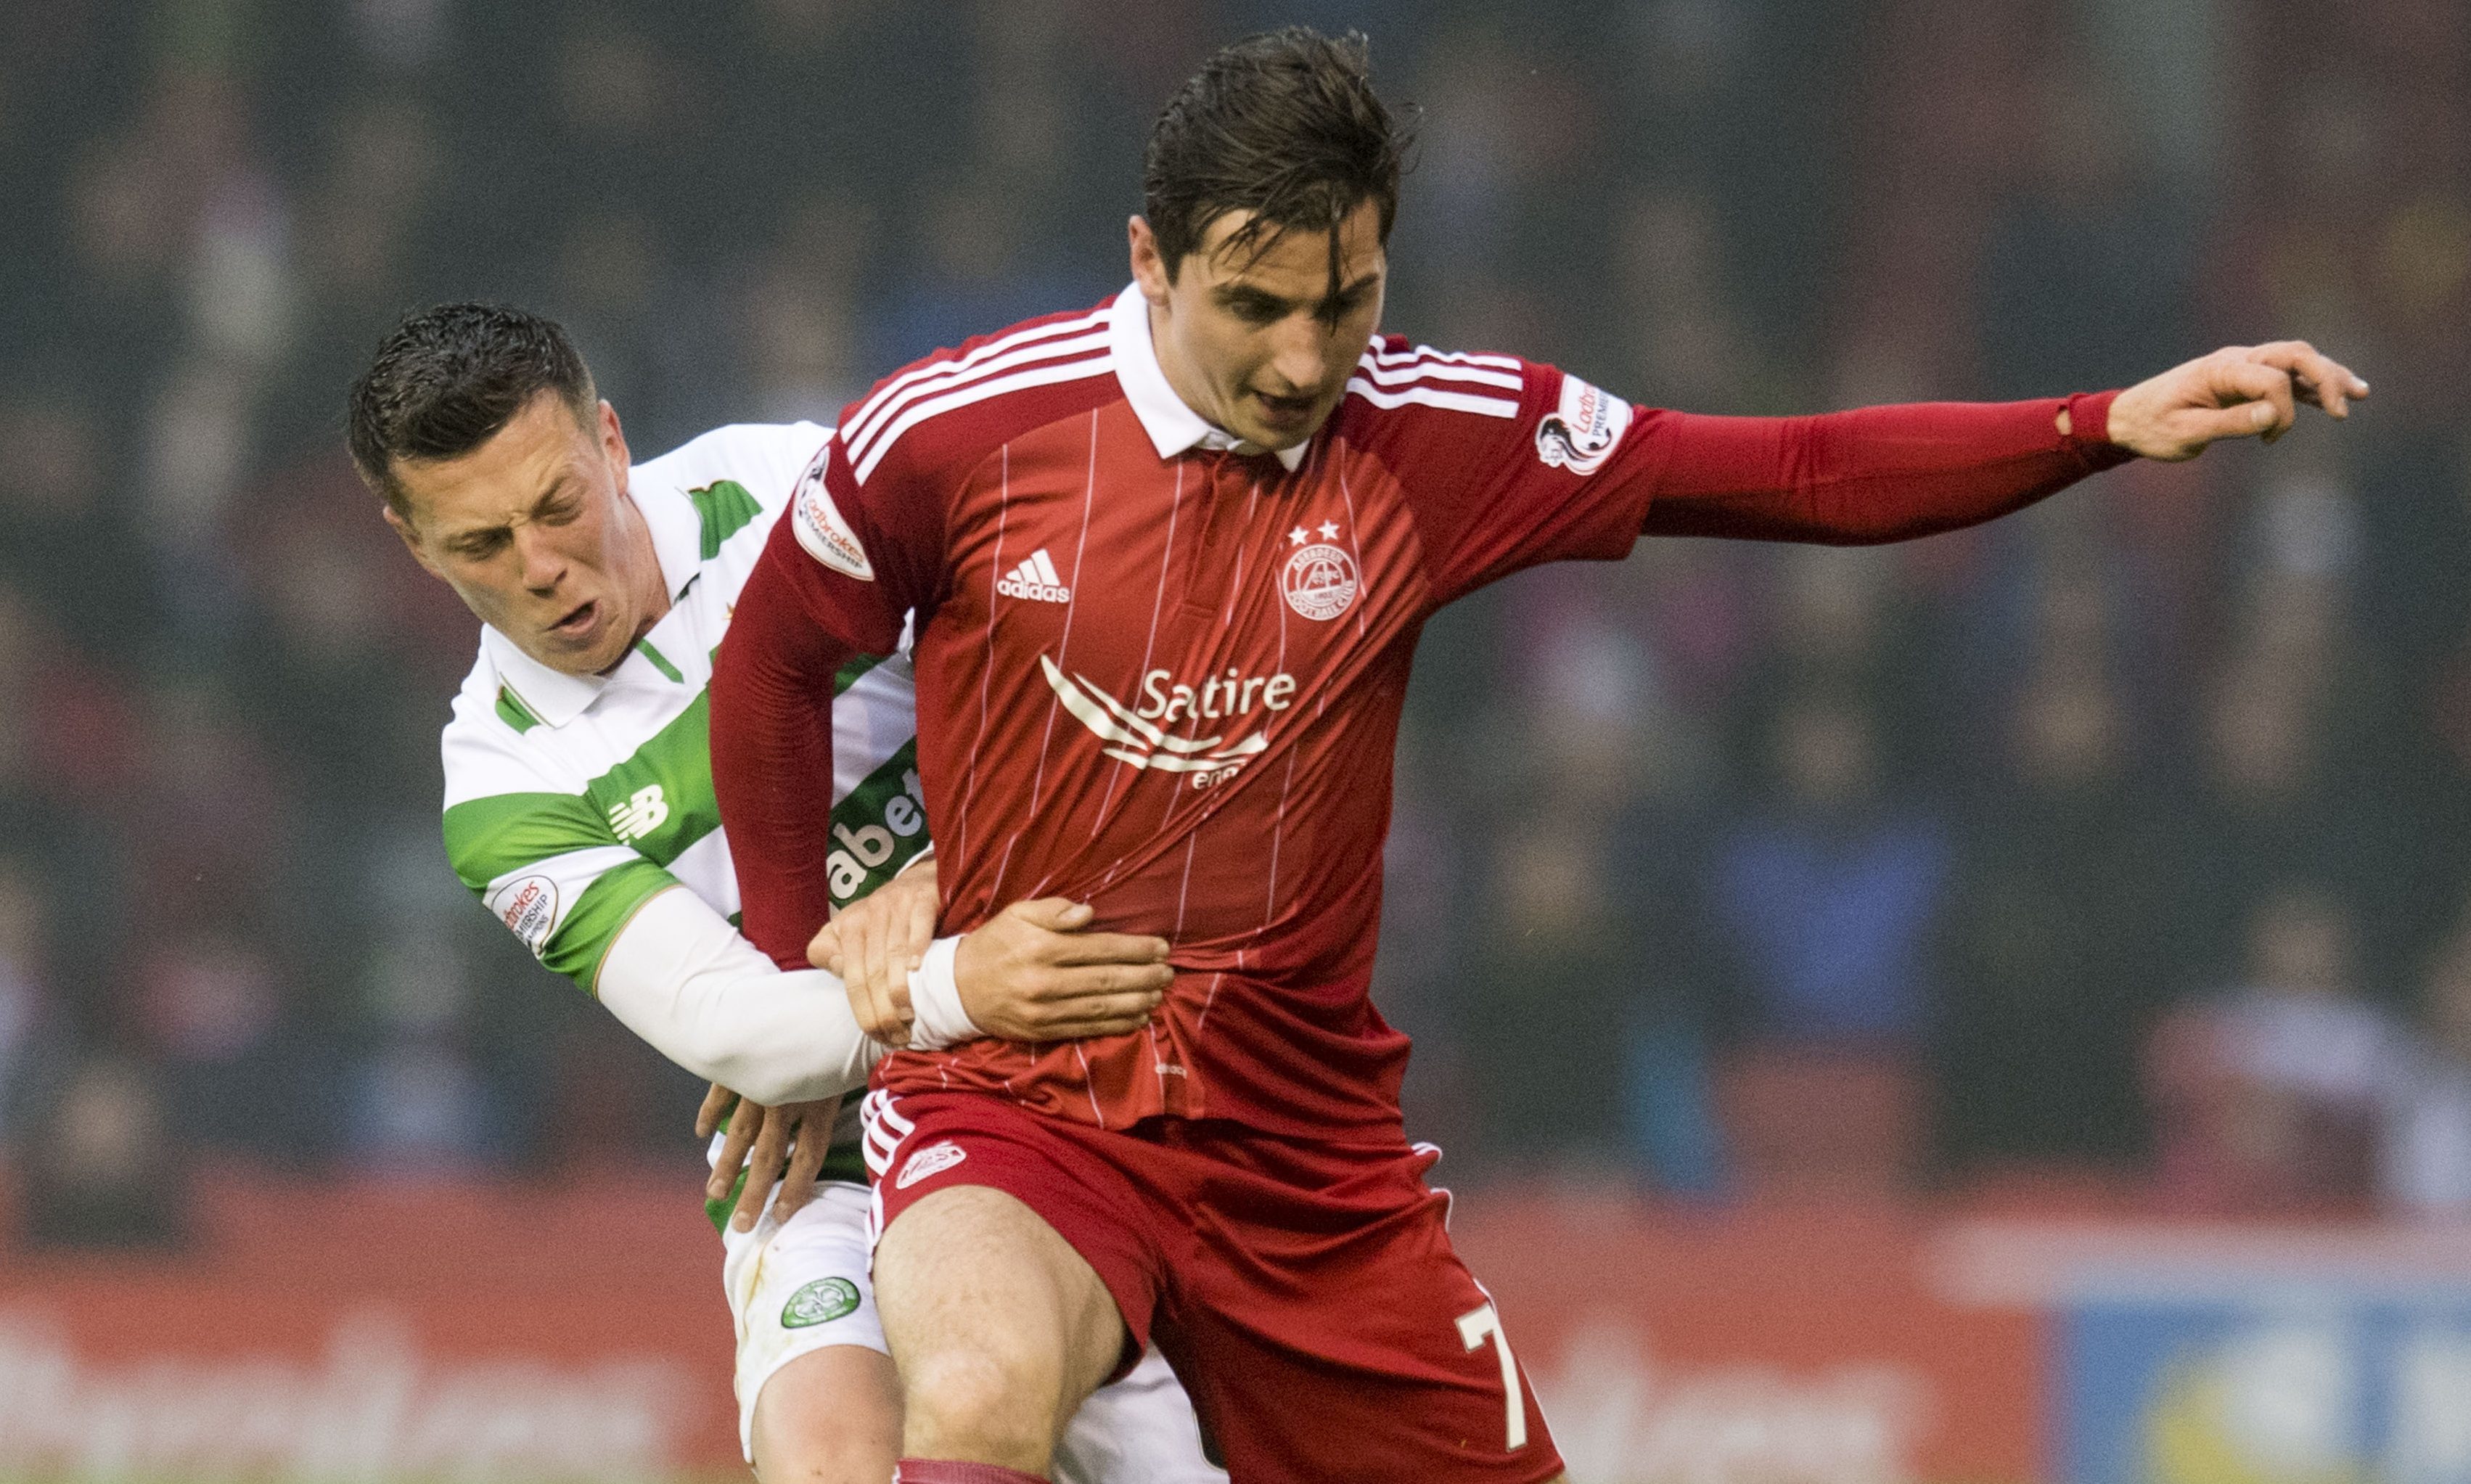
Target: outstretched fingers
(2321, 379)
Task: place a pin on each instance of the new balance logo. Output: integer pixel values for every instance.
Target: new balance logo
(639, 815)
(1036, 579)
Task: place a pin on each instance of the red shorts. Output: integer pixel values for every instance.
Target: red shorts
(1306, 1292)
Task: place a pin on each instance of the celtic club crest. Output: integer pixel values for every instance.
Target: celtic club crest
(820, 1301)
(1320, 582)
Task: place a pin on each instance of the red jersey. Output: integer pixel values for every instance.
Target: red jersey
(1163, 676)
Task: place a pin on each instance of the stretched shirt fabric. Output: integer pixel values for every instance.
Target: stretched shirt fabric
(570, 800)
(1162, 675)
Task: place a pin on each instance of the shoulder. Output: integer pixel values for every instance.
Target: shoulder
(1401, 391)
(512, 799)
(945, 414)
(764, 460)
(1464, 412)
(494, 745)
(1395, 377)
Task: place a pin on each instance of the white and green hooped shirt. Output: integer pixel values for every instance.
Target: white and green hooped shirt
(572, 800)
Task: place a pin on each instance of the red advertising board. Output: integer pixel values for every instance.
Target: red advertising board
(1779, 1344)
(380, 1332)
(374, 1332)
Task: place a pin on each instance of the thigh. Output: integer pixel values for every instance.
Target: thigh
(1330, 1331)
(1000, 1327)
(991, 1233)
(971, 1265)
(798, 1288)
(1138, 1430)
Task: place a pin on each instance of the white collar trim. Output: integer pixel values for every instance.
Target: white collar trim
(553, 696)
(1173, 427)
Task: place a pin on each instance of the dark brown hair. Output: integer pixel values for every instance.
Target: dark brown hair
(1284, 125)
(446, 379)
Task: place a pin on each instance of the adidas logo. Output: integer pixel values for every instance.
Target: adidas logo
(1036, 579)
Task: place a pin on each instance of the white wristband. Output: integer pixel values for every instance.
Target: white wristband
(938, 1018)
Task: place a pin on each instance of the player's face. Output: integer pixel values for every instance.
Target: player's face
(1262, 345)
(533, 533)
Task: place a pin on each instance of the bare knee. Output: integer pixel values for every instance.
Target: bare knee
(987, 1402)
(831, 1416)
(1000, 1328)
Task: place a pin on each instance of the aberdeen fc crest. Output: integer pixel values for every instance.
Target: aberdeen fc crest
(1320, 581)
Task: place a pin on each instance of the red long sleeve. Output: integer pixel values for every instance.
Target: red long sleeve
(1873, 475)
(772, 755)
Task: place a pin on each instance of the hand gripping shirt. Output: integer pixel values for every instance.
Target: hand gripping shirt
(570, 800)
(1162, 675)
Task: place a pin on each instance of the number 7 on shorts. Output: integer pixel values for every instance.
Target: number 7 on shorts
(1476, 1325)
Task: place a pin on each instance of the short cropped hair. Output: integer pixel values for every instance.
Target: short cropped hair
(1284, 125)
(446, 379)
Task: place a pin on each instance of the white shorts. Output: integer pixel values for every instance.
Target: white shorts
(795, 1286)
(803, 1285)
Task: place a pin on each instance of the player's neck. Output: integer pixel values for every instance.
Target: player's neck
(644, 571)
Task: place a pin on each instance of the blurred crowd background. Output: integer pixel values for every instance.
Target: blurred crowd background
(2111, 856)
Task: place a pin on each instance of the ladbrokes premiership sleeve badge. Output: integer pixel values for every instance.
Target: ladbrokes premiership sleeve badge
(1581, 432)
(817, 524)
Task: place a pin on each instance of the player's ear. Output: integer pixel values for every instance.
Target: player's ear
(1149, 269)
(410, 539)
(613, 441)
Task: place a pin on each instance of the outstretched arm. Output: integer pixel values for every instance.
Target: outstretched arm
(1893, 473)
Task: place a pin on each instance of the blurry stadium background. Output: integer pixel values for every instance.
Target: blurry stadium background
(1993, 1009)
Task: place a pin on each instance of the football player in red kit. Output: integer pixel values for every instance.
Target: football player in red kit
(1168, 559)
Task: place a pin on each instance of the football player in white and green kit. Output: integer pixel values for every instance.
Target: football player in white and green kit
(579, 801)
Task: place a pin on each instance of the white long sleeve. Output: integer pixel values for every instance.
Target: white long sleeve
(680, 976)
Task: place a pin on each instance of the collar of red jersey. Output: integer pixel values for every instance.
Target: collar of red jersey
(1173, 427)
(558, 697)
